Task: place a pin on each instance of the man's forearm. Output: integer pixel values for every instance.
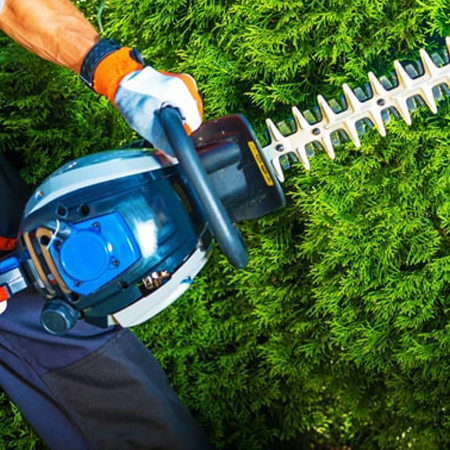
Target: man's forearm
(53, 29)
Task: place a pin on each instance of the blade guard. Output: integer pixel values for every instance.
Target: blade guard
(237, 168)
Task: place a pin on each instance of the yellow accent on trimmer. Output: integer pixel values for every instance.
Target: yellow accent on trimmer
(261, 165)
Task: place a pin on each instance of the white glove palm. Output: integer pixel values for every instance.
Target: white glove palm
(142, 93)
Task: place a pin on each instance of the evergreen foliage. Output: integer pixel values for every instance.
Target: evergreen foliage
(336, 336)
(47, 116)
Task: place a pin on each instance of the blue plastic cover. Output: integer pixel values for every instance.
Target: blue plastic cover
(8, 264)
(97, 251)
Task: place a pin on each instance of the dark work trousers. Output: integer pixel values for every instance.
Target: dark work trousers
(95, 388)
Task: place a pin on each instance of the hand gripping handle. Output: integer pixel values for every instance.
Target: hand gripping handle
(227, 235)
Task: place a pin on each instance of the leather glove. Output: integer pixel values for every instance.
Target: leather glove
(139, 91)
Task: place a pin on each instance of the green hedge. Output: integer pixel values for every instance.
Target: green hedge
(336, 335)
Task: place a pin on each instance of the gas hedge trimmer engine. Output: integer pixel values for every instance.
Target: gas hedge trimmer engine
(115, 237)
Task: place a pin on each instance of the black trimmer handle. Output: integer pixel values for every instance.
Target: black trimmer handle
(227, 235)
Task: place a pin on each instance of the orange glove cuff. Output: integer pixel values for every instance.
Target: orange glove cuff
(111, 70)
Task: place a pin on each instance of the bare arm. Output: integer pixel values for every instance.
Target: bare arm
(52, 29)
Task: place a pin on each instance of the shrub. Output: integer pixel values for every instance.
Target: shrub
(336, 335)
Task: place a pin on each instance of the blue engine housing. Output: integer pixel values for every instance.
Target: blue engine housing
(117, 236)
(99, 223)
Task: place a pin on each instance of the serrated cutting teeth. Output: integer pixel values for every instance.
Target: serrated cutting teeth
(372, 111)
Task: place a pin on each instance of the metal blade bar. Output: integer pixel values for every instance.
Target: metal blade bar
(372, 109)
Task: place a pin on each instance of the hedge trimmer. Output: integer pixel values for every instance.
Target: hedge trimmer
(115, 237)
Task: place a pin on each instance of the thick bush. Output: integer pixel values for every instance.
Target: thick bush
(336, 335)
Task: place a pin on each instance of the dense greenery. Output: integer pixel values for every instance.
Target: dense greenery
(337, 335)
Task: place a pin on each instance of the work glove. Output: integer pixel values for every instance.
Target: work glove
(139, 91)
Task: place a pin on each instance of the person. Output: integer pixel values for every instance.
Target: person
(93, 388)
